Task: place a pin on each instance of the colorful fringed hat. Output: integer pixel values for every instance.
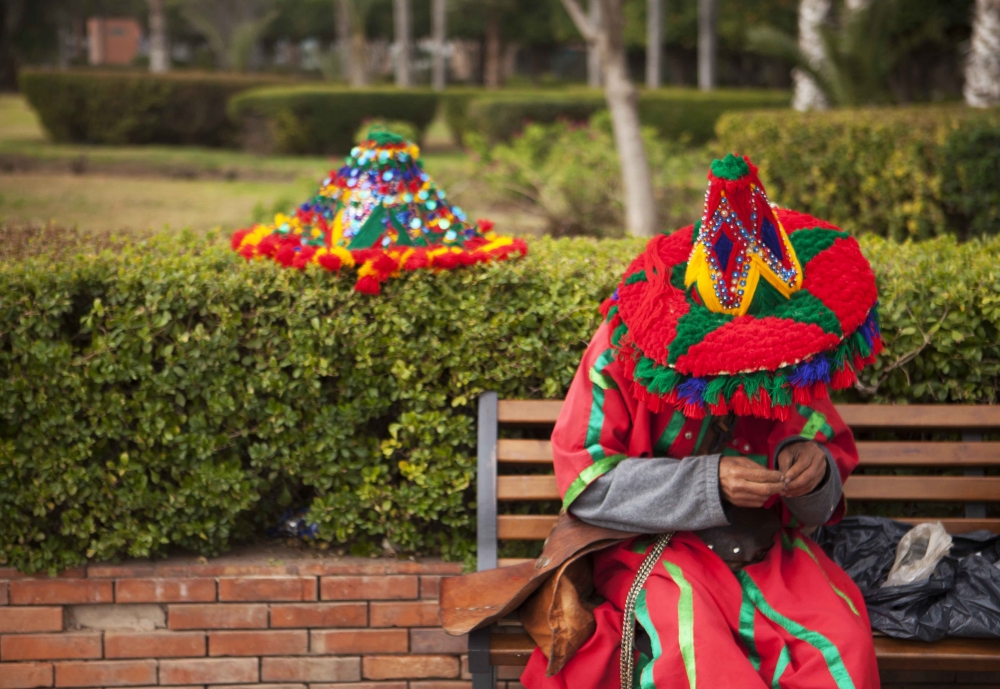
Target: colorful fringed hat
(380, 213)
(751, 310)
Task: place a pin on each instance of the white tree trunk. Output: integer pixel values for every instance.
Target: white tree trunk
(492, 59)
(654, 43)
(342, 19)
(593, 50)
(707, 44)
(159, 51)
(439, 18)
(812, 15)
(982, 67)
(403, 30)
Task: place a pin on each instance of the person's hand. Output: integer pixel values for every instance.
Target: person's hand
(803, 465)
(745, 483)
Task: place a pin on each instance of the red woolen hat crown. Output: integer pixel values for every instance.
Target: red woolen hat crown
(751, 310)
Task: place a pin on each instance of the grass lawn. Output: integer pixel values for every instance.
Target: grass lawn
(155, 187)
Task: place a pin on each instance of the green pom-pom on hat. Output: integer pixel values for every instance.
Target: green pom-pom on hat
(731, 167)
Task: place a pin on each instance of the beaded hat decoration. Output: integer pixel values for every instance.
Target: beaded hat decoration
(751, 310)
(381, 214)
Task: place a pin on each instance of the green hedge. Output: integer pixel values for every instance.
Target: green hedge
(83, 106)
(897, 172)
(679, 114)
(174, 396)
(323, 119)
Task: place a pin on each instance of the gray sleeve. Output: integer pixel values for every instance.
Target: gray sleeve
(655, 495)
(816, 508)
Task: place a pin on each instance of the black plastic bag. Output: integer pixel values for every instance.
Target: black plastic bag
(961, 598)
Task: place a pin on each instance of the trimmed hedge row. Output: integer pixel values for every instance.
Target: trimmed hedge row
(83, 106)
(677, 114)
(174, 396)
(898, 172)
(323, 119)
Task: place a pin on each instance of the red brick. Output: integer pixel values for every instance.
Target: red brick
(344, 641)
(360, 685)
(60, 591)
(120, 571)
(319, 615)
(217, 616)
(26, 620)
(443, 684)
(410, 667)
(50, 647)
(267, 589)
(369, 588)
(436, 640)
(26, 676)
(509, 672)
(416, 614)
(113, 673)
(430, 587)
(377, 567)
(269, 643)
(154, 644)
(165, 591)
(3, 593)
(209, 671)
(310, 669)
(266, 686)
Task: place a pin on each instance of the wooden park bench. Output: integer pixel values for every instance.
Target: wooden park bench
(966, 457)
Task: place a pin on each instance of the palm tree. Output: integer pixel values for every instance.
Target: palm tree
(654, 43)
(623, 103)
(231, 27)
(403, 33)
(982, 67)
(159, 53)
(813, 14)
(858, 53)
(707, 43)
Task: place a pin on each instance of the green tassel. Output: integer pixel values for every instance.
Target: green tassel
(731, 386)
(617, 335)
(731, 168)
(752, 383)
(612, 312)
(714, 389)
(645, 369)
(780, 391)
(664, 381)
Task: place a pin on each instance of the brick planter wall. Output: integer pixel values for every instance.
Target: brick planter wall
(275, 620)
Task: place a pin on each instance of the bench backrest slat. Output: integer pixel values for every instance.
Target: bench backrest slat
(521, 460)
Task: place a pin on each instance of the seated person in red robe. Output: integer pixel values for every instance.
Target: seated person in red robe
(744, 319)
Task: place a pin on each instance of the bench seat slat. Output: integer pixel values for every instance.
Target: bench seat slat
(929, 488)
(982, 655)
(872, 454)
(857, 416)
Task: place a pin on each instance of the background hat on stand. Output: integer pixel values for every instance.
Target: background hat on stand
(751, 310)
(381, 214)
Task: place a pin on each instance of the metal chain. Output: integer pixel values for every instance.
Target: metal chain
(627, 660)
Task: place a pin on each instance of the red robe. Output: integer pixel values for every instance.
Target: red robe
(793, 620)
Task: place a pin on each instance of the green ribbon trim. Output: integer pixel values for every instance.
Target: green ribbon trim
(701, 432)
(588, 476)
(834, 661)
(747, 612)
(804, 547)
(733, 452)
(670, 433)
(642, 617)
(685, 622)
(779, 669)
(596, 421)
(815, 423)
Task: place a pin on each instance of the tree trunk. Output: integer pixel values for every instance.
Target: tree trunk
(342, 21)
(707, 48)
(812, 15)
(982, 67)
(593, 49)
(11, 17)
(403, 30)
(493, 51)
(654, 43)
(439, 18)
(159, 52)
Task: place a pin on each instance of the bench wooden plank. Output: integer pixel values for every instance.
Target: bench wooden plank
(929, 488)
(874, 454)
(982, 655)
(857, 416)
(536, 527)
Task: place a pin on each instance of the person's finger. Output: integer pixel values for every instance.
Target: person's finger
(807, 480)
(756, 488)
(758, 474)
(807, 455)
(786, 458)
